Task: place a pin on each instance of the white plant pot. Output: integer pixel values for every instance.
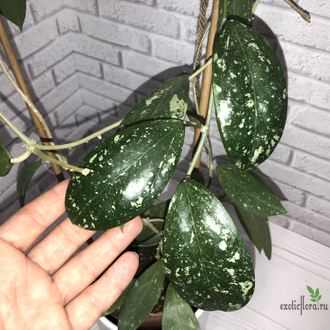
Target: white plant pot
(104, 324)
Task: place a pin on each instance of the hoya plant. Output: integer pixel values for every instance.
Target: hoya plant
(198, 247)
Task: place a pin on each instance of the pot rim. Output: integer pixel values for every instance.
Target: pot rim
(104, 321)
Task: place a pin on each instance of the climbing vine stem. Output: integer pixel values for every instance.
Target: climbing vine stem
(40, 154)
(204, 135)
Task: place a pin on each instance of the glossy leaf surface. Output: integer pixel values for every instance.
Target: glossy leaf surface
(14, 10)
(205, 257)
(177, 314)
(128, 172)
(250, 95)
(24, 178)
(5, 164)
(120, 300)
(142, 297)
(257, 229)
(239, 10)
(168, 101)
(248, 193)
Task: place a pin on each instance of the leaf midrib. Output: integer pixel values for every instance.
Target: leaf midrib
(254, 94)
(198, 244)
(150, 283)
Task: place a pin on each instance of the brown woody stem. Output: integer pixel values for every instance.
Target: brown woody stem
(45, 139)
(207, 77)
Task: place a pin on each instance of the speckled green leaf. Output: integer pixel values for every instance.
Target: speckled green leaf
(250, 95)
(257, 229)
(142, 297)
(128, 172)
(177, 314)
(205, 257)
(24, 178)
(5, 164)
(239, 10)
(14, 10)
(248, 193)
(169, 100)
(120, 300)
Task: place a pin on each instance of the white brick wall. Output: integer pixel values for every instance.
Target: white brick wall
(89, 61)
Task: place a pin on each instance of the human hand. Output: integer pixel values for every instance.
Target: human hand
(41, 290)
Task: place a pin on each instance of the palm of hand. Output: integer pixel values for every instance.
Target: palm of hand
(28, 294)
(42, 290)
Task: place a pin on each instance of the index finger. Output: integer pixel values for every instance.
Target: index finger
(23, 228)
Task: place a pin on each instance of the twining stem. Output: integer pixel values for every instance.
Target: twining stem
(194, 124)
(254, 7)
(204, 135)
(224, 15)
(24, 97)
(146, 222)
(84, 140)
(21, 157)
(21, 135)
(305, 15)
(206, 87)
(200, 45)
(156, 220)
(195, 82)
(40, 154)
(200, 69)
(30, 142)
(41, 128)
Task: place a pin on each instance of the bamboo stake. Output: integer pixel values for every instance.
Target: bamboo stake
(207, 77)
(45, 138)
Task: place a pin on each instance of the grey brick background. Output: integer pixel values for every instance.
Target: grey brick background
(88, 62)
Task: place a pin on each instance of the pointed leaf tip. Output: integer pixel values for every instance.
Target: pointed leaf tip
(248, 193)
(177, 313)
(14, 11)
(168, 101)
(24, 178)
(142, 297)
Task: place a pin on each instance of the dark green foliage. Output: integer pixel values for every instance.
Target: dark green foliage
(205, 257)
(239, 10)
(248, 193)
(14, 10)
(177, 314)
(128, 172)
(5, 157)
(250, 95)
(142, 297)
(24, 178)
(168, 101)
(257, 229)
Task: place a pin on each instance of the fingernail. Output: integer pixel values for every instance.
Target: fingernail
(136, 254)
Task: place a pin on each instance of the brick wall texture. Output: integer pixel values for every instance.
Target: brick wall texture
(87, 62)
